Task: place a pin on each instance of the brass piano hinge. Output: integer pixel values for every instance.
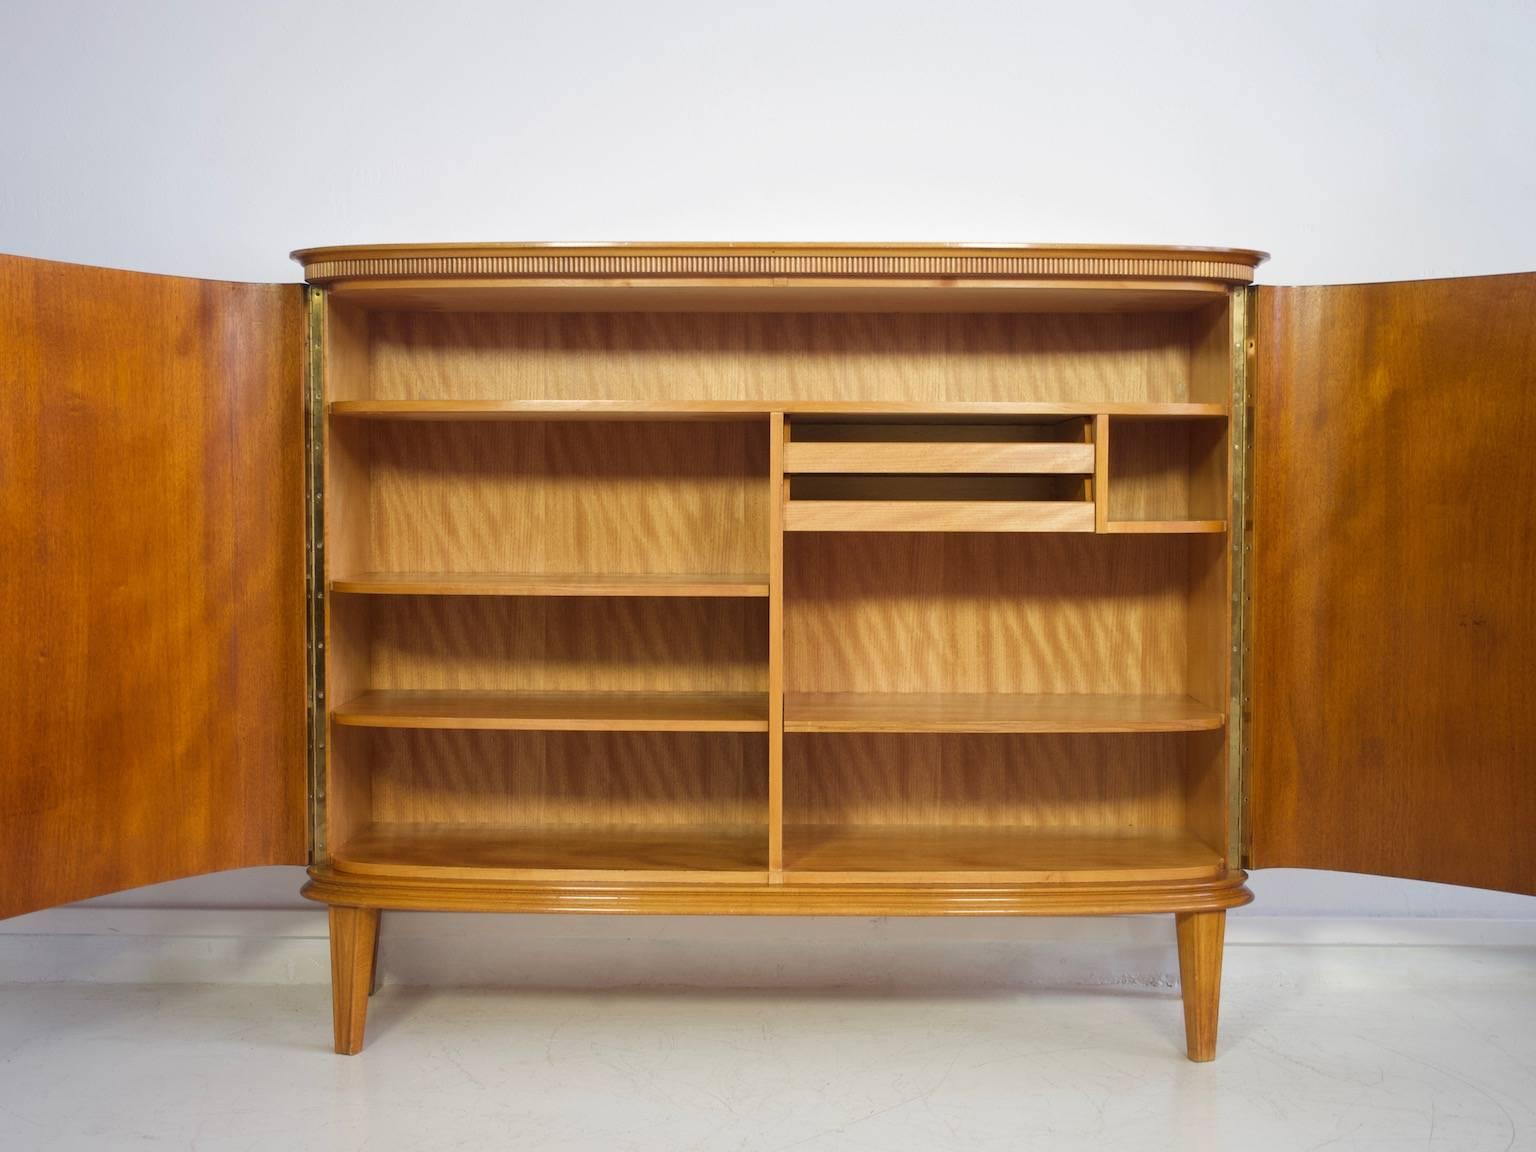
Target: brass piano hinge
(1244, 343)
(314, 526)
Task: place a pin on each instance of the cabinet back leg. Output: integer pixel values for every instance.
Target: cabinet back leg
(1200, 942)
(354, 933)
(373, 969)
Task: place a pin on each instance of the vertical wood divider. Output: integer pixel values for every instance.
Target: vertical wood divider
(1101, 473)
(777, 433)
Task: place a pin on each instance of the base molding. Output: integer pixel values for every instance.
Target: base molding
(333, 886)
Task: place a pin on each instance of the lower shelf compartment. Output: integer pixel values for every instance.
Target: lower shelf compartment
(842, 853)
(558, 852)
(813, 854)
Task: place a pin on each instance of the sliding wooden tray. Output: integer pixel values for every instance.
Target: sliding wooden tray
(938, 516)
(940, 457)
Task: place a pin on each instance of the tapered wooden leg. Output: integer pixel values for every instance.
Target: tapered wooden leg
(373, 968)
(353, 933)
(1200, 940)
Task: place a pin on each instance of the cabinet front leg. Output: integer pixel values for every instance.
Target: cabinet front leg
(1200, 942)
(353, 934)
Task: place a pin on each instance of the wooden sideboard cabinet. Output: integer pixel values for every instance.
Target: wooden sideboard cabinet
(765, 579)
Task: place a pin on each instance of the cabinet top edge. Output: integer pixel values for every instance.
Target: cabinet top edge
(896, 262)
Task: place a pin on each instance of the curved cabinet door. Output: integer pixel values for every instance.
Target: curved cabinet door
(1393, 639)
(152, 712)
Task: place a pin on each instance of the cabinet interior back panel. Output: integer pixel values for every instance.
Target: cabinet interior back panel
(1030, 612)
(1168, 469)
(1104, 782)
(563, 497)
(765, 356)
(568, 778)
(632, 644)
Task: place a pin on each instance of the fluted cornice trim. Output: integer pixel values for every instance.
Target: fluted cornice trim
(325, 266)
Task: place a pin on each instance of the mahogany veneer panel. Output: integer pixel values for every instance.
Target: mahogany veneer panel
(152, 596)
(1393, 631)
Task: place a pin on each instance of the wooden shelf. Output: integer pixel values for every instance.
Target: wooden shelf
(751, 409)
(557, 852)
(560, 711)
(549, 409)
(916, 457)
(1123, 527)
(938, 516)
(836, 854)
(1003, 410)
(551, 584)
(940, 712)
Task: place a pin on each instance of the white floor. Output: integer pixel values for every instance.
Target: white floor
(1338, 1047)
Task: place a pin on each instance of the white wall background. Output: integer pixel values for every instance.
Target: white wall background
(1354, 140)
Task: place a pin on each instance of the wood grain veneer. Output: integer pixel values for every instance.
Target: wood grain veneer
(968, 613)
(564, 644)
(1200, 936)
(560, 711)
(929, 413)
(152, 599)
(841, 854)
(1393, 630)
(825, 358)
(354, 954)
(553, 497)
(994, 458)
(627, 609)
(899, 515)
(588, 584)
(429, 892)
(695, 854)
(993, 712)
(571, 779)
(1089, 782)
(779, 277)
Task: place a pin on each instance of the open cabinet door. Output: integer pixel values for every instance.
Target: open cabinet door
(1393, 639)
(152, 663)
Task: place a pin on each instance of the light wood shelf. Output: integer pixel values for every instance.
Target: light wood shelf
(837, 854)
(915, 457)
(938, 516)
(558, 852)
(550, 584)
(1021, 713)
(1123, 527)
(549, 409)
(560, 711)
(459, 410)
